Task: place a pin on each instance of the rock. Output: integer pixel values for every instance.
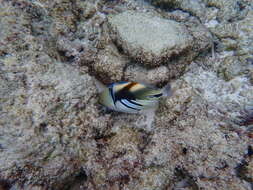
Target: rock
(194, 7)
(109, 65)
(37, 120)
(244, 169)
(69, 50)
(229, 97)
(89, 8)
(203, 39)
(154, 76)
(148, 38)
(232, 67)
(251, 76)
(187, 135)
(233, 20)
(43, 108)
(245, 32)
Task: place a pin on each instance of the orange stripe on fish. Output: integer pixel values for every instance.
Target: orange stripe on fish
(134, 86)
(120, 86)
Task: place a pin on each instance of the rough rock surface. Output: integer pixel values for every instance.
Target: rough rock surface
(154, 76)
(196, 7)
(107, 61)
(54, 134)
(148, 38)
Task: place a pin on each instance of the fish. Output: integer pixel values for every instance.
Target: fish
(132, 97)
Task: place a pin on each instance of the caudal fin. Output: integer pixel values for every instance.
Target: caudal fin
(100, 86)
(167, 91)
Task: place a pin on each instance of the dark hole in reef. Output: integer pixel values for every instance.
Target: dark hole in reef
(61, 53)
(223, 164)
(98, 135)
(124, 180)
(5, 184)
(241, 170)
(75, 180)
(81, 49)
(250, 151)
(81, 175)
(65, 58)
(183, 174)
(248, 120)
(215, 45)
(80, 12)
(179, 172)
(43, 125)
(16, 4)
(42, 128)
(163, 5)
(3, 53)
(241, 6)
(184, 150)
(120, 49)
(70, 58)
(250, 60)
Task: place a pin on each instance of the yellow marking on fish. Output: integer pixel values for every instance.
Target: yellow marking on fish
(119, 87)
(136, 86)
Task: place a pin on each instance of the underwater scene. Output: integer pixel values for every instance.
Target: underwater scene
(126, 95)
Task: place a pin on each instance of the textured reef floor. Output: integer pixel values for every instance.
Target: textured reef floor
(55, 135)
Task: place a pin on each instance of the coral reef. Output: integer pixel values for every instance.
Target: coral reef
(55, 135)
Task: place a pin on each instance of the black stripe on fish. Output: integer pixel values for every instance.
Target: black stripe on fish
(112, 94)
(128, 106)
(134, 103)
(124, 94)
(156, 95)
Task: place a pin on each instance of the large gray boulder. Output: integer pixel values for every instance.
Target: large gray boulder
(149, 38)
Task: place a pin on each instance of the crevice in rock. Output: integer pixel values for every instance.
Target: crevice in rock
(3, 53)
(164, 5)
(5, 184)
(65, 58)
(74, 181)
(183, 179)
(146, 140)
(242, 168)
(250, 151)
(173, 6)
